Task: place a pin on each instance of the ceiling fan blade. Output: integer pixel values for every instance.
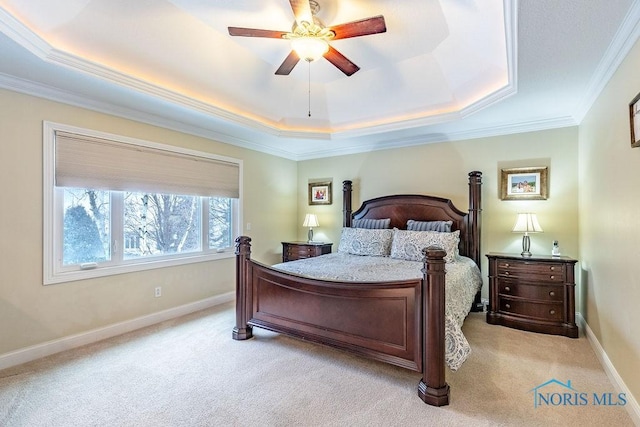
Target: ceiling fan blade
(341, 61)
(301, 10)
(359, 28)
(288, 64)
(253, 32)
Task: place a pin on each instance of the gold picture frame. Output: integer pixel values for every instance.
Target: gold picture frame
(634, 121)
(320, 193)
(524, 183)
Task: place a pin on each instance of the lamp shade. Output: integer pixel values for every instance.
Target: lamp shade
(310, 220)
(527, 223)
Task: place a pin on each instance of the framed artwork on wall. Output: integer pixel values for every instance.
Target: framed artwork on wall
(634, 121)
(320, 193)
(524, 183)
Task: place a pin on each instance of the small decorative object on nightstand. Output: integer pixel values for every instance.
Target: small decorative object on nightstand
(534, 294)
(292, 251)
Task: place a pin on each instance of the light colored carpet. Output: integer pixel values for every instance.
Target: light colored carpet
(189, 372)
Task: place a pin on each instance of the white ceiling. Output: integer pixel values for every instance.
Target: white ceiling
(443, 70)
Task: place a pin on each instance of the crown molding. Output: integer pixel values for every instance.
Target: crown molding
(432, 138)
(39, 90)
(618, 49)
(22, 35)
(53, 94)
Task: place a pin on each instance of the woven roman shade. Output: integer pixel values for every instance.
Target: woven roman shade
(84, 161)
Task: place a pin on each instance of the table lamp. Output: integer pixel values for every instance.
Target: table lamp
(527, 223)
(310, 220)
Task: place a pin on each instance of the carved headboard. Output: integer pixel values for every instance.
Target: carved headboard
(402, 207)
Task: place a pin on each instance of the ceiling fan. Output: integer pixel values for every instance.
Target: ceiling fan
(310, 38)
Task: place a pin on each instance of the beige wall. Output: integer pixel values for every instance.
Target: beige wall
(609, 224)
(442, 169)
(31, 313)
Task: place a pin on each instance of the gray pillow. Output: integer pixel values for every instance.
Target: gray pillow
(371, 223)
(442, 226)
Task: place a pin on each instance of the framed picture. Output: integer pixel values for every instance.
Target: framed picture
(634, 121)
(524, 184)
(320, 193)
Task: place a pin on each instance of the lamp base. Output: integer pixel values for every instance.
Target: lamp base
(310, 236)
(526, 244)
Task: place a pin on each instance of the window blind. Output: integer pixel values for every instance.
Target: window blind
(85, 161)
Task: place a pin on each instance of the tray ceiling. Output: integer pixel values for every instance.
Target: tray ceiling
(443, 69)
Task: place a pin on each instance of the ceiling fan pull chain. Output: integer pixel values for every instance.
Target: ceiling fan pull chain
(309, 88)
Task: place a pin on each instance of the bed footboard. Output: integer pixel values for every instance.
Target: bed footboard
(401, 322)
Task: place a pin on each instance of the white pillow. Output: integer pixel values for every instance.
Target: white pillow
(366, 241)
(408, 245)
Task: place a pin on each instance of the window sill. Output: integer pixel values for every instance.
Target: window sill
(54, 277)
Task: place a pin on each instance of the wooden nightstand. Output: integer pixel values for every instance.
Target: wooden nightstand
(292, 251)
(534, 293)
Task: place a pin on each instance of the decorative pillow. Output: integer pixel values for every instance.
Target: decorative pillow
(363, 241)
(408, 244)
(371, 223)
(442, 226)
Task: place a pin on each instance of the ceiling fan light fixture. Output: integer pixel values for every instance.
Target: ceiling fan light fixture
(310, 48)
(310, 38)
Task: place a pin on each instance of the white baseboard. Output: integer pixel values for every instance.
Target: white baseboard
(48, 348)
(632, 404)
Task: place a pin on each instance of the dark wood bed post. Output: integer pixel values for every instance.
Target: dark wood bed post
(346, 203)
(433, 389)
(475, 201)
(242, 330)
(473, 227)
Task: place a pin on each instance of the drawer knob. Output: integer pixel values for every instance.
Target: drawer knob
(552, 293)
(506, 264)
(552, 312)
(508, 305)
(506, 273)
(552, 277)
(552, 268)
(506, 288)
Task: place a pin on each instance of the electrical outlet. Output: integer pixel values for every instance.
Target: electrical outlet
(158, 292)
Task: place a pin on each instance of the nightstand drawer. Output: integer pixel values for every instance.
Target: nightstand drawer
(534, 310)
(292, 251)
(301, 252)
(507, 287)
(534, 271)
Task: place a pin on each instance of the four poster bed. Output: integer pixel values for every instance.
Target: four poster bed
(401, 322)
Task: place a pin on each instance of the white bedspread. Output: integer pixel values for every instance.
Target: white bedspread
(463, 280)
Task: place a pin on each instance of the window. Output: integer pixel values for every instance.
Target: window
(151, 225)
(115, 205)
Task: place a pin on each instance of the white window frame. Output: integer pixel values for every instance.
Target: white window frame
(53, 270)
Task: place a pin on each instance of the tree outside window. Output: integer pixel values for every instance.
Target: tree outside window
(152, 225)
